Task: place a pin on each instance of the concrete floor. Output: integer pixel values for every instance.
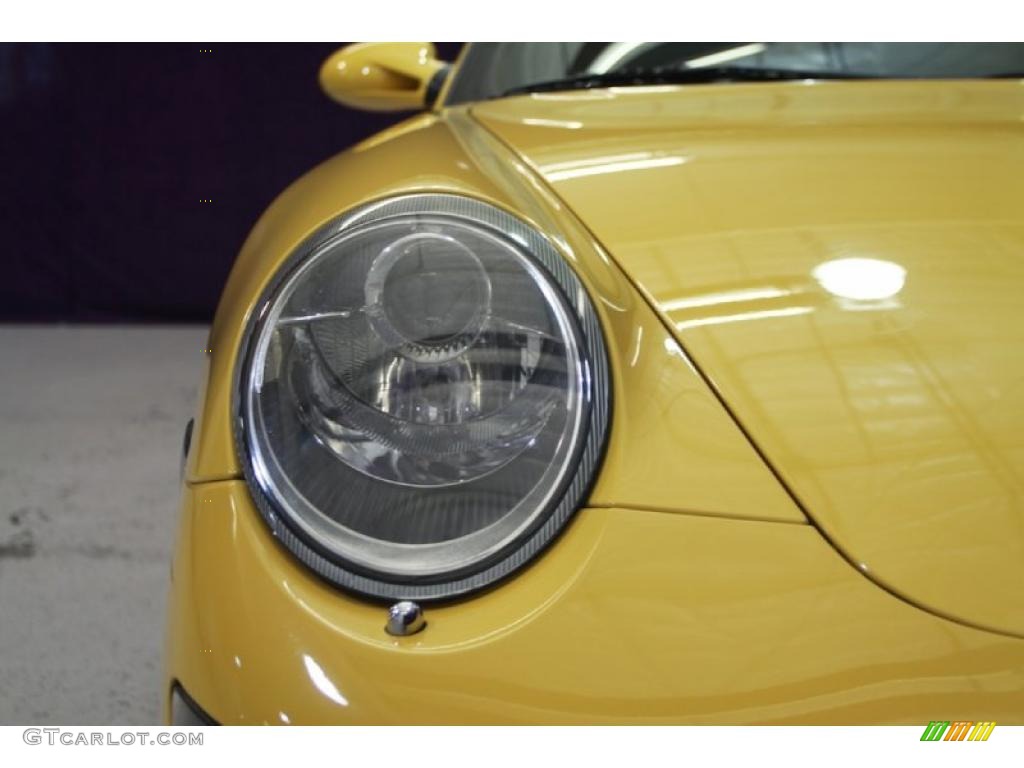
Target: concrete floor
(91, 424)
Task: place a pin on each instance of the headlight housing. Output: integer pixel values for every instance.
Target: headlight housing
(422, 399)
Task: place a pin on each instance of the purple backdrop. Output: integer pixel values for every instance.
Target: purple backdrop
(107, 149)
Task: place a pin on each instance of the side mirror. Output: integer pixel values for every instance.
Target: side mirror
(383, 77)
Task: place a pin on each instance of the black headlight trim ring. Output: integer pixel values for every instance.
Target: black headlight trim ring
(517, 553)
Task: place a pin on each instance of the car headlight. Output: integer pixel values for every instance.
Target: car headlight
(423, 397)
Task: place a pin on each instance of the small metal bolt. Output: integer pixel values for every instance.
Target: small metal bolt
(405, 618)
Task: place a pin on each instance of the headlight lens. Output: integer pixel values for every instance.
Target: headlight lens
(423, 398)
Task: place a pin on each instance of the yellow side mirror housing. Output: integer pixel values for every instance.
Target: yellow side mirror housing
(383, 77)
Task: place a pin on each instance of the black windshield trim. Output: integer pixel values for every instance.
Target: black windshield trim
(697, 75)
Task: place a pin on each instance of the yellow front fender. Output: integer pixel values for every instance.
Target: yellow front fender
(631, 617)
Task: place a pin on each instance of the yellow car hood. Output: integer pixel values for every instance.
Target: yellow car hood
(844, 262)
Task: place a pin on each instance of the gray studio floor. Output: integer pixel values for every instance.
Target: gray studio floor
(91, 422)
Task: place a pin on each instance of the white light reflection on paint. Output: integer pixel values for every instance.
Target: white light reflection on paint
(571, 124)
(595, 167)
(725, 297)
(861, 279)
(636, 347)
(321, 681)
(785, 312)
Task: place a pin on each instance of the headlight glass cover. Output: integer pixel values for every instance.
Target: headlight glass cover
(423, 397)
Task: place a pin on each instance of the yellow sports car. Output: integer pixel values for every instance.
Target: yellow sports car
(623, 383)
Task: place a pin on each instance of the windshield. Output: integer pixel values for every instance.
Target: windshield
(491, 70)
